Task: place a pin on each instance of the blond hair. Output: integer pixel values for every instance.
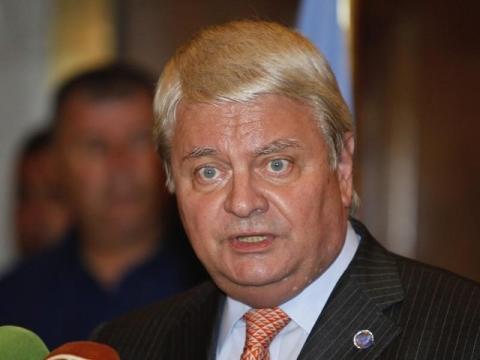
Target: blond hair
(241, 60)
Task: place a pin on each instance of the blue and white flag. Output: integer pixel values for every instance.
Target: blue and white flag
(318, 20)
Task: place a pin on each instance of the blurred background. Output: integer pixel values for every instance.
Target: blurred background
(412, 68)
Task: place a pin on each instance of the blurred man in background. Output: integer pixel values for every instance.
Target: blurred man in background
(41, 213)
(120, 256)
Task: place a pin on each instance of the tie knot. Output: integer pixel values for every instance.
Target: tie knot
(263, 325)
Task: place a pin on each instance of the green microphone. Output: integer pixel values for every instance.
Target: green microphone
(17, 343)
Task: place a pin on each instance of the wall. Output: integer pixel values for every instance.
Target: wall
(24, 29)
(416, 95)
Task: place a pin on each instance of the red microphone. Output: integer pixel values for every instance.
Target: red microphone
(83, 350)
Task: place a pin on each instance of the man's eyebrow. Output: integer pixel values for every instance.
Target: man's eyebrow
(277, 146)
(199, 152)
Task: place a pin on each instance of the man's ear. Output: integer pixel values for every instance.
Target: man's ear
(345, 169)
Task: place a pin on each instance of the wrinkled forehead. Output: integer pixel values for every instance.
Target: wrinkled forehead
(224, 113)
(265, 106)
(237, 125)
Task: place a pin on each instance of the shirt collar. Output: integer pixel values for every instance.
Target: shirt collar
(313, 297)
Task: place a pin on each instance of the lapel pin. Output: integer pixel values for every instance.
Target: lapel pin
(363, 339)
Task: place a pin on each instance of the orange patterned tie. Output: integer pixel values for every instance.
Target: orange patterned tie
(262, 326)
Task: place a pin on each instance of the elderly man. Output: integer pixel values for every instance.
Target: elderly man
(258, 147)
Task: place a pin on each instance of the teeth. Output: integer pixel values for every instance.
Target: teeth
(251, 239)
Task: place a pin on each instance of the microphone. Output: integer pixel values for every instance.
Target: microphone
(20, 344)
(83, 350)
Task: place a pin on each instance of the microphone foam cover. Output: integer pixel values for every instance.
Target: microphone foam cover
(20, 344)
(83, 350)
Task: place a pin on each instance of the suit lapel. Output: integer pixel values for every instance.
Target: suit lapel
(197, 332)
(370, 285)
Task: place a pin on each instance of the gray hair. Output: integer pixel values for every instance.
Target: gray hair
(240, 61)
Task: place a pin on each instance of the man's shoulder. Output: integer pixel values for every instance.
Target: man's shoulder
(162, 325)
(374, 258)
(31, 290)
(35, 271)
(431, 288)
(437, 312)
(418, 279)
(410, 268)
(178, 305)
(413, 309)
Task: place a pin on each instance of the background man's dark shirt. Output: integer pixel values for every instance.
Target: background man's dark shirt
(55, 296)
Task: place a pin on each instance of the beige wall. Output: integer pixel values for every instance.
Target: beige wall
(82, 35)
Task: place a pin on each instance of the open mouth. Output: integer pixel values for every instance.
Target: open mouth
(251, 243)
(252, 239)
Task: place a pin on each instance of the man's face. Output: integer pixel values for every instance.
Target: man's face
(264, 211)
(109, 165)
(41, 213)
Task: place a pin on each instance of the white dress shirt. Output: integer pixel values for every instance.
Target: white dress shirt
(303, 310)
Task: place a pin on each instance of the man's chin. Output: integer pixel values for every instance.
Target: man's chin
(261, 295)
(253, 287)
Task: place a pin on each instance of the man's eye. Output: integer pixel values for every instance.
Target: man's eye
(208, 173)
(278, 165)
(94, 146)
(140, 140)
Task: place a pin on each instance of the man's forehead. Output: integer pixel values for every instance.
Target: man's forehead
(227, 110)
(268, 125)
(263, 107)
(275, 146)
(218, 125)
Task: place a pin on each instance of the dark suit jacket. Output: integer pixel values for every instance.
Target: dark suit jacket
(414, 312)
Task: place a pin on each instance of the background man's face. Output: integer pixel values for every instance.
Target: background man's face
(110, 168)
(262, 208)
(41, 213)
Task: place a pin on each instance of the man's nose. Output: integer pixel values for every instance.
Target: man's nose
(245, 197)
(119, 160)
